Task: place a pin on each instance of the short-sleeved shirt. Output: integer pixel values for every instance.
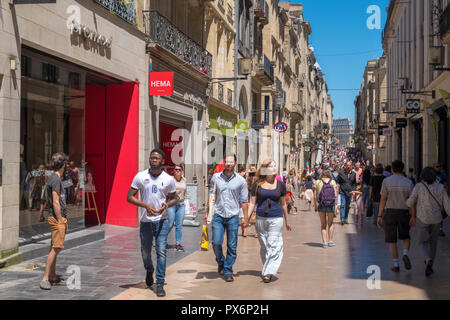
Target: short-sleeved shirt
(230, 194)
(376, 183)
(269, 200)
(397, 189)
(181, 186)
(54, 183)
(153, 190)
(319, 184)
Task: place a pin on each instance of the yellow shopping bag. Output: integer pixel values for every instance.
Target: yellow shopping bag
(204, 243)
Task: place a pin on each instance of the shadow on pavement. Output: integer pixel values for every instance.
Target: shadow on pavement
(367, 248)
(254, 273)
(313, 244)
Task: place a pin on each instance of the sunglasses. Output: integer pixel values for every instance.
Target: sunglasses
(178, 169)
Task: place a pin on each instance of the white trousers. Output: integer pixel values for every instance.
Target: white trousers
(271, 241)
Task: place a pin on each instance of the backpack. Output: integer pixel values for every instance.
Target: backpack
(326, 196)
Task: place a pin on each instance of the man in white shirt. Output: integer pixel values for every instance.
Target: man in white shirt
(157, 192)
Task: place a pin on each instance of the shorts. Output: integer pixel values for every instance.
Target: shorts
(325, 208)
(59, 231)
(396, 224)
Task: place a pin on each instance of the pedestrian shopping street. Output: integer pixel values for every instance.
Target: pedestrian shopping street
(112, 268)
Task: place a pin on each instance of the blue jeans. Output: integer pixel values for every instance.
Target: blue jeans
(176, 216)
(345, 206)
(159, 230)
(366, 199)
(375, 207)
(231, 226)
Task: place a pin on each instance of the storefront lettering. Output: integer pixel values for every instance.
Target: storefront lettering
(161, 83)
(91, 34)
(225, 123)
(193, 99)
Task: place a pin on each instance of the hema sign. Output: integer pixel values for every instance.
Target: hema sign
(161, 83)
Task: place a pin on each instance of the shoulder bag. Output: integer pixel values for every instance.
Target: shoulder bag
(443, 213)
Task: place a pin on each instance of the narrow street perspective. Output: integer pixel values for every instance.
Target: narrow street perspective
(212, 150)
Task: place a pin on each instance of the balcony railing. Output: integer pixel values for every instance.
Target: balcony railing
(164, 33)
(122, 8)
(264, 71)
(230, 13)
(262, 11)
(444, 22)
(229, 97)
(221, 4)
(220, 97)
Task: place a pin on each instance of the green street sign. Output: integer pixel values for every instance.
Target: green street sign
(307, 149)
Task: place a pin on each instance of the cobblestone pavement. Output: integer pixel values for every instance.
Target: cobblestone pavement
(112, 268)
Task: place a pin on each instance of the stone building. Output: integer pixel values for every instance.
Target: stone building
(73, 79)
(416, 46)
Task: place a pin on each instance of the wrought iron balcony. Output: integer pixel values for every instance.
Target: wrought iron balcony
(262, 12)
(230, 13)
(221, 5)
(444, 23)
(164, 33)
(121, 8)
(220, 97)
(264, 71)
(278, 85)
(229, 97)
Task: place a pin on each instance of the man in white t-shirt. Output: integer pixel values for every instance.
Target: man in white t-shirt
(157, 193)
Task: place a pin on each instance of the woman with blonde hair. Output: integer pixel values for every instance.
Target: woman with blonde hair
(268, 196)
(325, 191)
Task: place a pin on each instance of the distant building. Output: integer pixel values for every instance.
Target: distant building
(343, 131)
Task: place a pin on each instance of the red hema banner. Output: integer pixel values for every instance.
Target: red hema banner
(161, 83)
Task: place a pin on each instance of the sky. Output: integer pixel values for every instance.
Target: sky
(343, 44)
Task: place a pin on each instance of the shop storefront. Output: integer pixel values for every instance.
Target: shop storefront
(76, 91)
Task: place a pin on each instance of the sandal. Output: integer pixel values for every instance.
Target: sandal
(59, 281)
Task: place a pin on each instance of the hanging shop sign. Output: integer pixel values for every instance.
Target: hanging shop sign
(401, 122)
(280, 127)
(412, 106)
(387, 132)
(92, 35)
(380, 130)
(161, 83)
(243, 126)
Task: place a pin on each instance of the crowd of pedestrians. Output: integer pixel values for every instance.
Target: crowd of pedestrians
(382, 195)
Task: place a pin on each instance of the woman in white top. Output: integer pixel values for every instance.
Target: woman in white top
(427, 201)
(176, 213)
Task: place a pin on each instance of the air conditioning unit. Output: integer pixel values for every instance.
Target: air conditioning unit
(245, 66)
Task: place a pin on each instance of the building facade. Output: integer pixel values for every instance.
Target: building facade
(370, 117)
(73, 79)
(416, 46)
(343, 132)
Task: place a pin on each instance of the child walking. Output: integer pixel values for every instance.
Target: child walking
(359, 207)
